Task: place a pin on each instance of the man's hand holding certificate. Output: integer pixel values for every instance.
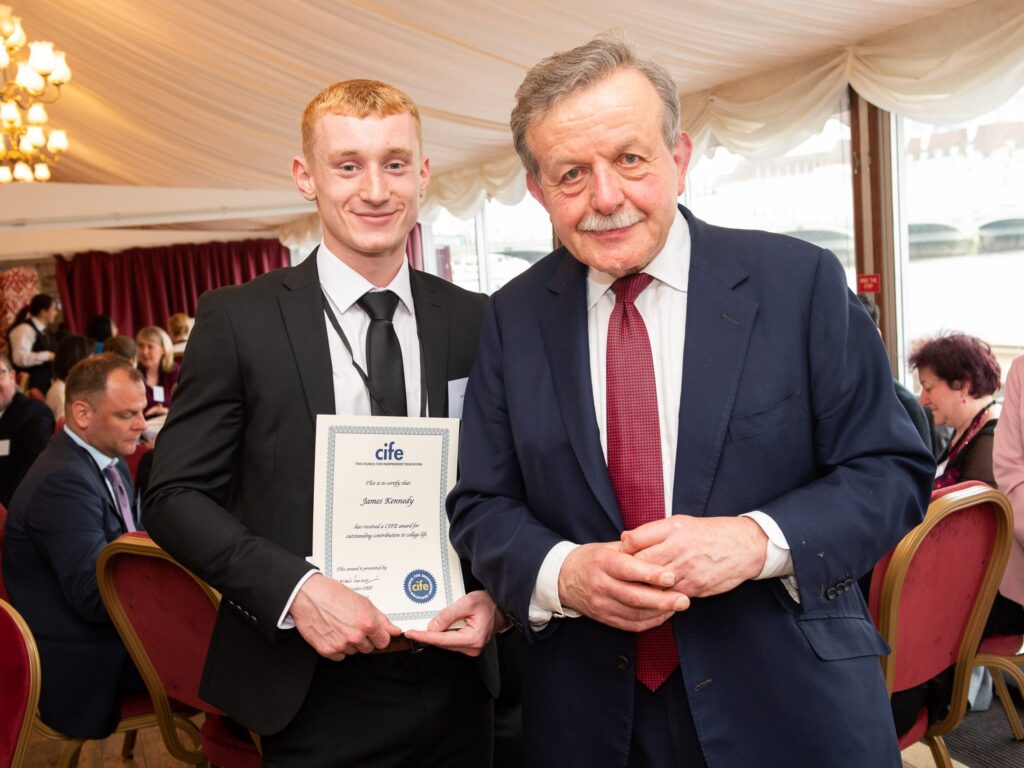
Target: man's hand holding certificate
(380, 529)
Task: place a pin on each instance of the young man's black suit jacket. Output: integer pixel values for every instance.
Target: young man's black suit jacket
(231, 492)
(60, 518)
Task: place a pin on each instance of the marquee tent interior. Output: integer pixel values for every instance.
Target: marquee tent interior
(183, 117)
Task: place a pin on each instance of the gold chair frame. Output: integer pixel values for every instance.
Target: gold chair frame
(892, 588)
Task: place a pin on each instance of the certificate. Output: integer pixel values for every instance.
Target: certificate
(379, 520)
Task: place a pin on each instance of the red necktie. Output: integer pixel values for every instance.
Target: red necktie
(634, 451)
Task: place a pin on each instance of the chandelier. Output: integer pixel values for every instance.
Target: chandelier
(28, 148)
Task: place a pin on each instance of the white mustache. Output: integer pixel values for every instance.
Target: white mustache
(597, 222)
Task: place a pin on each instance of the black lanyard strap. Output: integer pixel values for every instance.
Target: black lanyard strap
(362, 374)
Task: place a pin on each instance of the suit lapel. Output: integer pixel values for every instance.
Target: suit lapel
(718, 325)
(302, 311)
(563, 322)
(432, 328)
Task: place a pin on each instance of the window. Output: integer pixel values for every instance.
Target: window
(455, 246)
(514, 237)
(963, 201)
(806, 193)
(517, 236)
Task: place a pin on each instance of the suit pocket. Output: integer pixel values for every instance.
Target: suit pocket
(766, 419)
(842, 637)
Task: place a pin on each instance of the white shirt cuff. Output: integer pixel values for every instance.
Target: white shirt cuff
(286, 621)
(778, 561)
(544, 602)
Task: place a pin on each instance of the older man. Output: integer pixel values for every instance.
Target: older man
(680, 448)
(350, 330)
(75, 499)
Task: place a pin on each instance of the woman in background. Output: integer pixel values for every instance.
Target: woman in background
(69, 351)
(1008, 462)
(156, 361)
(959, 378)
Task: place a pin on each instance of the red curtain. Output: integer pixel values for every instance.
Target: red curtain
(144, 286)
(414, 247)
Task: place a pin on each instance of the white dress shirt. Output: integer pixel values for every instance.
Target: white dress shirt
(662, 305)
(344, 287)
(22, 340)
(102, 460)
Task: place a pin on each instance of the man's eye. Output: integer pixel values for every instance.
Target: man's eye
(348, 167)
(572, 174)
(630, 159)
(395, 165)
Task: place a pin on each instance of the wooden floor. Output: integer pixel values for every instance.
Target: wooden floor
(149, 752)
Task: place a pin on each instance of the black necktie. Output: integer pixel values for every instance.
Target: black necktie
(384, 355)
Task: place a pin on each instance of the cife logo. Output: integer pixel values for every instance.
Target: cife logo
(420, 586)
(389, 452)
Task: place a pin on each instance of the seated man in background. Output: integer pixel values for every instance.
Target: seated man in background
(30, 342)
(26, 426)
(72, 502)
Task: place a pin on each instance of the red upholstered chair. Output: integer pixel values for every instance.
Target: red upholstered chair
(932, 594)
(165, 617)
(19, 681)
(1002, 653)
(36, 394)
(3, 522)
(59, 425)
(133, 459)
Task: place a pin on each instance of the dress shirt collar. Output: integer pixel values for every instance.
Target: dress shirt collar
(39, 326)
(671, 266)
(102, 460)
(345, 286)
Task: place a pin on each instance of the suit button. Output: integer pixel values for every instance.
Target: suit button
(840, 588)
(831, 593)
(848, 583)
(622, 663)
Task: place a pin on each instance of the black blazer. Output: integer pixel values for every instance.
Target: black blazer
(231, 492)
(28, 424)
(60, 518)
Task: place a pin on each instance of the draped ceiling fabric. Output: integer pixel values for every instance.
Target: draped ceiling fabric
(201, 100)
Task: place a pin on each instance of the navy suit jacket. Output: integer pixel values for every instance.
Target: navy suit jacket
(28, 425)
(60, 518)
(787, 407)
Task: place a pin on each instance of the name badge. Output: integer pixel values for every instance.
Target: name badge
(456, 397)
(5, 447)
(158, 393)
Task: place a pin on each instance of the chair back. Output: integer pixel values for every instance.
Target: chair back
(133, 459)
(165, 616)
(935, 590)
(36, 394)
(19, 681)
(3, 522)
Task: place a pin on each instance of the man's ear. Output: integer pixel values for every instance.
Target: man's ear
(534, 187)
(80, 414)
(303, 178)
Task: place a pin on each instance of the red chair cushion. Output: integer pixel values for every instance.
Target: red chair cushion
(917, 730)
(222, 747)
(1002, 645)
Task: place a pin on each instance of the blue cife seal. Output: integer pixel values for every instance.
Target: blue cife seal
(420, 586)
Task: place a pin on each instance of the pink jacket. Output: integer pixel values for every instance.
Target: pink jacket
(1008, 463)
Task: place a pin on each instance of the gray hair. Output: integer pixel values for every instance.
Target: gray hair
(564, 74)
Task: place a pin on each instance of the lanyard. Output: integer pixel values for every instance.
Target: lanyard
(362, 374)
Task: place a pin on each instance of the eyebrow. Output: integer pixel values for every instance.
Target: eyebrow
(343, 154)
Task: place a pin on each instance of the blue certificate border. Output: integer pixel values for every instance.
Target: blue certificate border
(332, 434)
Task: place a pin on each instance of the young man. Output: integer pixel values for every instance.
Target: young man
(231, 493)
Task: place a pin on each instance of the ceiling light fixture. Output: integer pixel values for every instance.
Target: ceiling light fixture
(32, 79)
